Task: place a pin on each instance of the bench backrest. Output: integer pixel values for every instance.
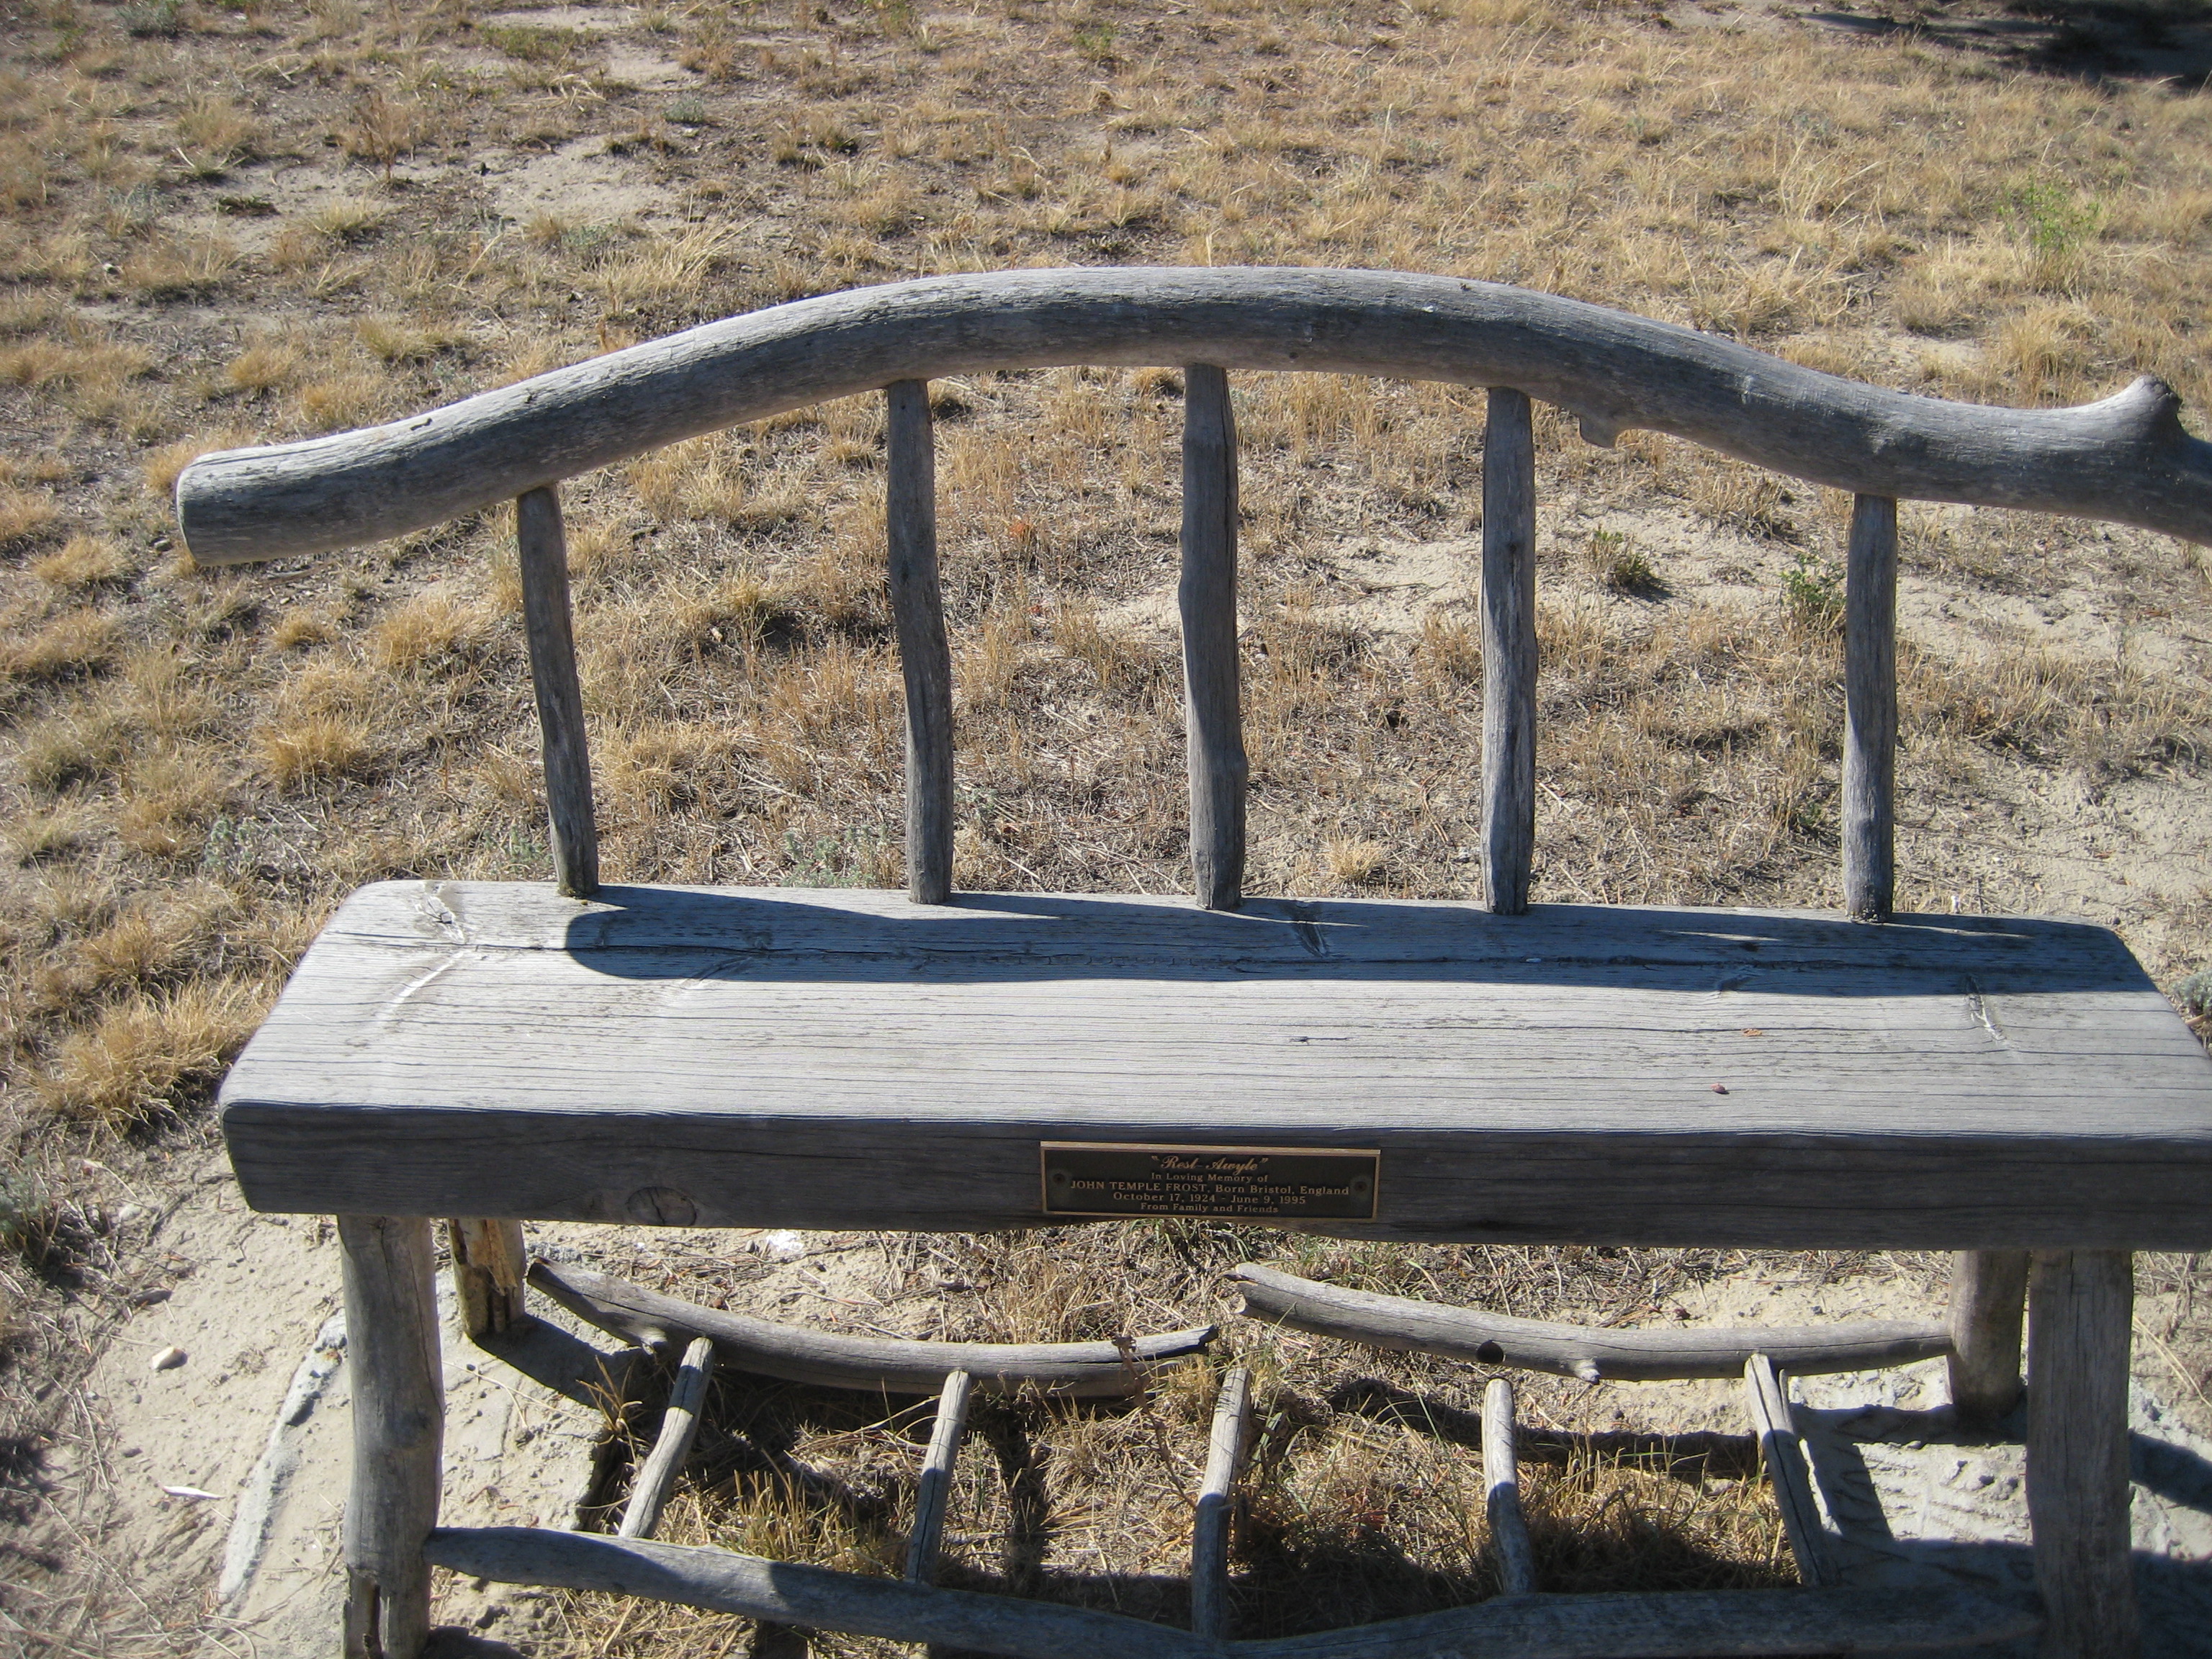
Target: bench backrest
(2126, 459)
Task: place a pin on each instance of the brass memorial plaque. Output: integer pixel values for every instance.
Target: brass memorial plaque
(1259, 1184)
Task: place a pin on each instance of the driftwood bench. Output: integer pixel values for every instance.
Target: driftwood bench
(2013, 1089)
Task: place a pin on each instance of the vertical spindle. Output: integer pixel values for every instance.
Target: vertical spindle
(935, 1492)
(679, 1427)
(1209, 1538)
(1870, 709)
(1768, 1401)
(1207, 598)
(1508, 652)
(543, 550)
(1501, 1483)
(918, 611)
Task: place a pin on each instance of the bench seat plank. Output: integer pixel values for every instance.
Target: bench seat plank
(841, 1058)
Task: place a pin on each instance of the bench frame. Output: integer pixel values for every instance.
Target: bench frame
(2126, 459)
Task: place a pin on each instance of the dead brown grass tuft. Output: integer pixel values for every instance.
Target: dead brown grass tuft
(25, 514)
(83, 562)
(142, 1055)
(73, 644)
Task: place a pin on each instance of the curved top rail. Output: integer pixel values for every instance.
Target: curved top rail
(2126, 459)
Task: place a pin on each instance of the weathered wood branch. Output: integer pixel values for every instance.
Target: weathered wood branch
(2127, 458)
(1501, 1489)
(542, 546)
(1228, 1441)
(924, 661)
(1870, 710)
(1624, 1356)
(935, 1488)
(679, 1426)
(1508, 653)
(1206, 601)
(794, 1354)
(1677, 1625)
(1784, 1454)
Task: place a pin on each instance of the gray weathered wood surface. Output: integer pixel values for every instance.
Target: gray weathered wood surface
(1869, 781)
(1501, 1491)
(1767, 1405)
(1226, 1444)
(679, 1427)
(2080, 1323)
(1594, 1353)
(798, 1353)
(1989, 1297)
(840, 1058)
(935, 1489)
(543, 549)
(490, 1265)
(1688, 1624)
(925, 659)
(397, 1381)
(1508, 652)
(2126, 459)
(1206, 599)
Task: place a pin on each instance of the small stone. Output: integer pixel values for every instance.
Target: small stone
(169, 1359)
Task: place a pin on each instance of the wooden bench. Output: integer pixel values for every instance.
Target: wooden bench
(1503, 1072)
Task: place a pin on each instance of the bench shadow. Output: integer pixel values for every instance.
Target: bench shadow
(2086, 40)
(710, 933)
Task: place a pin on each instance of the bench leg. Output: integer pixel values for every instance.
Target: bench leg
(489, 1268)
(2081, 1315)
(398, 1394)
(1988, 1290)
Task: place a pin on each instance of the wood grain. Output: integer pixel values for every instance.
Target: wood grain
(489, 1264)
(1508, 652)
(935, 1489)
(1684, 1624)
(543, 550)
(796, 1353)
(925, 659)
(1870, 804)
(1501, 1489)
(1206, 598)
(2080, 1323)
(1989, 1295)
(679, 1427)
(1767, 1405)
(396, 1379)
(1593, 1354)
(1227, 1442)
(838, 1058)
(2126, 459)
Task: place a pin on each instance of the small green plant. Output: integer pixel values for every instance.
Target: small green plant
(1094, 39)
(1618, 565)
(2050, 218)
(1813, 592)
(690, 112)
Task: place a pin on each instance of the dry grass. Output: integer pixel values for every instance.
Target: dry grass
(215, 232)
